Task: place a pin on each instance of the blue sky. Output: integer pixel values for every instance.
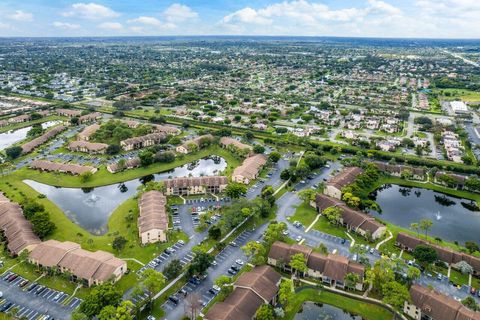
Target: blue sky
(369, 18)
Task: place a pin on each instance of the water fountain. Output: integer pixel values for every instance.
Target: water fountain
(438, 216)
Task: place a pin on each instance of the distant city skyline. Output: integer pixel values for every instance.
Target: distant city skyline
(344, 18)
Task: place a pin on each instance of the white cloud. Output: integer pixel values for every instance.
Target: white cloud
(111, 26)
(20, 15)
(65, 25)
(150, 25)
(90, 11)
(246, 15)
(179, 13)
(149, 21)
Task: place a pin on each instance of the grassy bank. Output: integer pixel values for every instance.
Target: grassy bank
(20, 125)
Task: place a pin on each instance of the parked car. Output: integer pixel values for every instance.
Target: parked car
(173, 299)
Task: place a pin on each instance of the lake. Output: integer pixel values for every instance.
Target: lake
(91, 207)
(11, 137)
(316, 311)
(454, 219)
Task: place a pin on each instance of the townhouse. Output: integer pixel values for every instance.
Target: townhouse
(429, 304)
(167, 129)
(143, 141)
(251, 290)
(152, 217)
(90, 117)
(225, 142)
(74, 169)
(88, 147)
(347, 176)
(397, 170)
(68, 113)
(450, 179)
(189, 145)
(195, 185)
(449, 256)
(19, 119)
(16, 229)
(31, 145)
(353, 220)
(129, 164)
(88, 132)
(249, 169)
(90, 268)
(331, 269)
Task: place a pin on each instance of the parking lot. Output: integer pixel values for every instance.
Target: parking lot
(32, 300)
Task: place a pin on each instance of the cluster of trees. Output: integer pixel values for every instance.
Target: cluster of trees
(103, 302)
(356, 194)
(115, 131)
(40, 219)
(35, 131)
(13, 152)
(240, 209)
(149, 156)
(311, 161)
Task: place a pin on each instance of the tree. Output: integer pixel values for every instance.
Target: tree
(119, 243)
(235, 190)
(165, 157)
(265, 312)
(13, 152)
(307, 195)
(146, 158)
(151, 282)
(470, 303)
(464, 267)
(74, 121)
(285, 291)
(247, 135)
(101, 296)
(333, 214)
(425, 225)
(173, 269)
(42, 225)
(351, 280)
(322, 248)
(258, 148)
(214, 233)
(415, 226)
(122, 312)
(274, 156)
(86, 176)
(255, 251)
(285, 174)
(298, 263)
(313, 161)
(224, 282)
(413, 273)
(425, 254)
(113, 149)
(395, 294)
(200, 264)
(471, 246)
(382, 272)
(274, 232)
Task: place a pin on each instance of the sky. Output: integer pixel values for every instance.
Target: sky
(344, 18)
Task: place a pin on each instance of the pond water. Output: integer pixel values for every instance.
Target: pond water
(454, 219)
(91, 207)
(316, 311)
(14, 136)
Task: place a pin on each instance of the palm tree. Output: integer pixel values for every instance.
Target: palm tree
(415, 226)
(426, 224)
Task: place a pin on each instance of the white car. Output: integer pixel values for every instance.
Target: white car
(285, 233)
(181, 242)
(299, 238)
(239, 262)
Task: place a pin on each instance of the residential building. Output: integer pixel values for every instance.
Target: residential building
(90, 117)
(91, 268)
(347, 176)
(187, 146)
(16, 229)
(129, 164)
(397, 170)
(227, 141)
(432, 305)
(88, 147)
(450, 179)
(249, 169)
(19, 119)
(88, 132)
(353, 220)
(449, 256)
(75, 169)
(331, 269)
(167, 129)
(251, 290)
(152, 217)
(69, 113)
(31, 145)
(143, 141)
(195, 185)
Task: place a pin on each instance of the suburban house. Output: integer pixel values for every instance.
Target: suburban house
(331, 268)
(75, 169)
(450, 179)
(447, 255)
(334, 186)
(88, 147)
(353, 220)
(31, 145)
(195, 185)
(20, 118)
(186, 147)
(90, 117)
(69, 112)
(251, 290)
(91, 268)
(397, 170)
(16, 229)
(131, 123)
(129, 164)
(430, 304)
(88, 132)
(167, 129)
(249, 169)
(143, 141)
(226, 141)
(152, 217)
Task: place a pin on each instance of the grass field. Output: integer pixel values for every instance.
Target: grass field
(366, 310)
(459, 94)
(17, 126)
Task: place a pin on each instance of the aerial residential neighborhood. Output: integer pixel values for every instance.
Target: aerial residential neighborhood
(238, 160)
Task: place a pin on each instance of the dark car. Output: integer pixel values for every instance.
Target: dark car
(32, 286)
(173, 299)
(6, 306)
(232, 272)
(234, 267)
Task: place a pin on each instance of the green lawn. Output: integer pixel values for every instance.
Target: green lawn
(366, 310)
(459, 94)
(29, 123)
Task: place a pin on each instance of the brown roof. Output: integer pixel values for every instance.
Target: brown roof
(345, 177)
(439, 306)
(29, 146)
(61, 167)
(51, 252)
(458, 178)
(130, 163)
(398, 168)
(197, 140)
(153, 214)
(167, 129)
(263, 280)
(90, 146)
(196, 181)
(69, 112)
(226, 141)
(17, 229)
(155, 137)
(250, 166)
(90, 117)
(88, 131)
